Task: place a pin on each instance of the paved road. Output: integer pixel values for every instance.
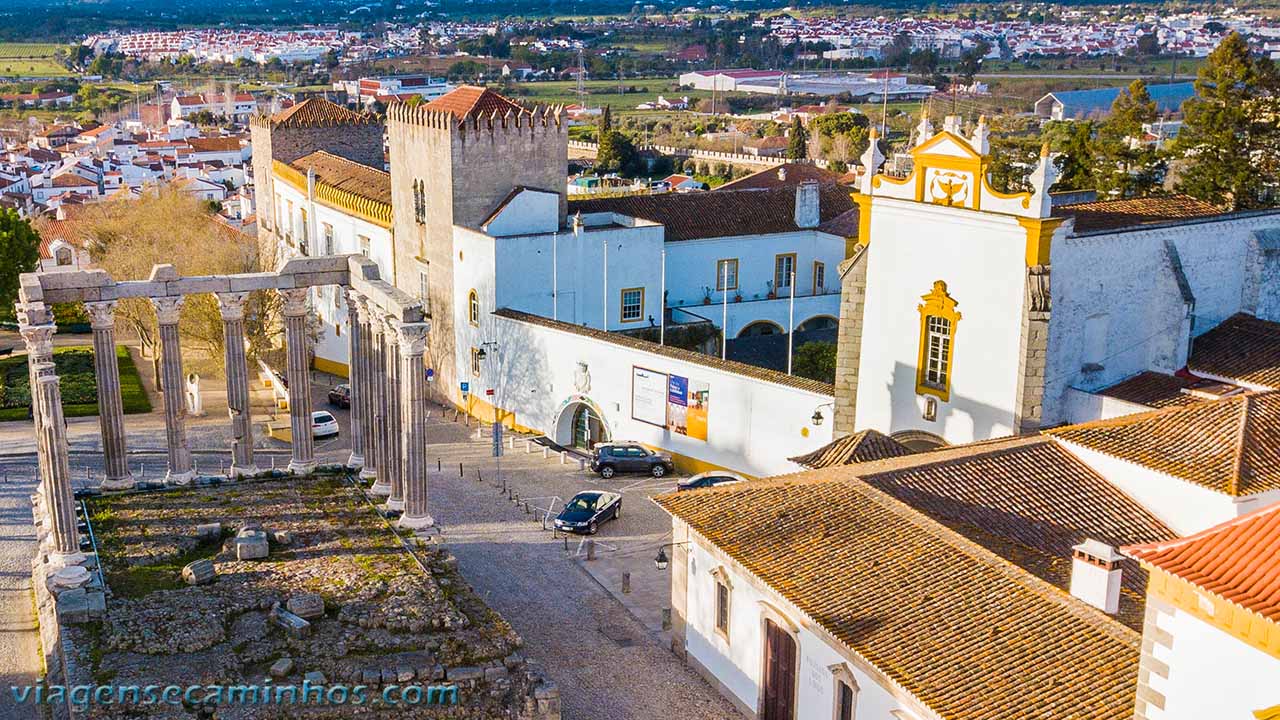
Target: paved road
(20, 662)
(608, 665)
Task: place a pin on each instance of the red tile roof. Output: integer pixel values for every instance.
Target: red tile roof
(850, 449)
(348, 175)
(1242, 348)
(215, 144)
(317, 111)
(1238, 560)
(785, 175)
(1108, 215)
(1153, 389)
(469, 101)
(1231, 446)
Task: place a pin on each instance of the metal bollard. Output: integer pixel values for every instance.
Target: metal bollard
(437, 464)
(528, 446)
(511, 442)
(626, 583)
(666, 618)
(273, 462)
(459, 469)
(591, 549)
(546, 452)
(526, 506)
(566, 543)
(564, 457)
(582, 464)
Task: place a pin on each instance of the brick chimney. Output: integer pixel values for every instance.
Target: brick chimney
(1095, 575)
(808, 214)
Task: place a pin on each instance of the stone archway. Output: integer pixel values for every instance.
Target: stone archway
(581, 423)
(919, 440)
(819, 322)
(761, 327)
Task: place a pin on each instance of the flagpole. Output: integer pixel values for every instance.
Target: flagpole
(724, 312)
(791, 321)
(662, 303)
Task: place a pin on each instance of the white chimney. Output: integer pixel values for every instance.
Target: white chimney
(1095, 575)
(808, 213)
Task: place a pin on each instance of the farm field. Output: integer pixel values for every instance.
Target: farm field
(604, 92)
(30, 59)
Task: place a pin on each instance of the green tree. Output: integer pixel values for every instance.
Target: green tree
(1228, 136)
(1073, 141)
(798, 142)
(816, 361)
(606, 120)
(616, 153)
(1125, 165)
(19, 253)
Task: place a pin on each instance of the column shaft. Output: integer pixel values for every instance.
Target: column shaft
(110, 404)
(58, 498)
(395, 443)
(355, 348)
(380, 435)
(237, 370)
(299, 376)
(367, 394)
(413, 426)
(175, 407)
(39, 341)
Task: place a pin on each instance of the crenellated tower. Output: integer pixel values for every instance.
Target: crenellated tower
(453, 161)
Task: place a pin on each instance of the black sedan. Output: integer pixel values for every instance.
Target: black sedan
(585, 512)
(340, 395)
(709, 479)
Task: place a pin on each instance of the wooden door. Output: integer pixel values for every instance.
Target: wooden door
(779, 673)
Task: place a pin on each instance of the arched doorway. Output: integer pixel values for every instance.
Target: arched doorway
(760, 327)
(581, 424)
(919, 440)
(818, 322)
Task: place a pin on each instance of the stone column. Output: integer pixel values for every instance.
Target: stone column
(299, 376)
(355, 348)
(368, 393)
(181, 471)
(232, 307)
(39, 341)
(102, 317)
(395, 456)
(379, 437)
(413, 425)
(59, 502)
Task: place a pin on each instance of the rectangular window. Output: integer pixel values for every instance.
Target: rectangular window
(819, 278)
(475, 362)
(632, 304)
(722, 608)
(844, 705)
(727, 274)
(328, 238)
(424, 291)
(939, 351)
(364, 245)
(303, 230)
(783, 267)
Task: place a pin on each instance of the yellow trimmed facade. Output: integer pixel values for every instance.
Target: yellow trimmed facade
(332, 367)
(1241, 623)
(378, 213)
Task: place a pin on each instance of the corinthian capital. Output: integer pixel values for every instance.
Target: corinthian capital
(39, 339)
(231, 305)
(168, 309)
(391, 328)
(413, 338)
(295, 301)
(102, 314)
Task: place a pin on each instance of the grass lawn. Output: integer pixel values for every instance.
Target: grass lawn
(604, 92)
(79, 387)
(23, 59)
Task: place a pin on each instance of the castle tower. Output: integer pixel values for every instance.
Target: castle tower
(453, 161)
(311, 125)
(945, 316)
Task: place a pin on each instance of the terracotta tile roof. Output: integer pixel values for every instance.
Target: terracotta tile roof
(710, 361)
(468, 101)
(850, 449)
(1242, 348)
(1153, 389)
(1107, 215)
(1026, 499)
(71, 179)
(317, 111)
(1238, 560)
(348, 175)
(689, 216)
(789, 175)
(969, 635)
(215, 144)
(1231, 446)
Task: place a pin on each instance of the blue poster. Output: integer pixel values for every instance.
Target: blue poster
(677, 404)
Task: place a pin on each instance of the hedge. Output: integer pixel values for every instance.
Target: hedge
(79, 386)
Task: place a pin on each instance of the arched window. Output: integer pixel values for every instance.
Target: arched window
(63, 256)
(473, 308)
(938, 318)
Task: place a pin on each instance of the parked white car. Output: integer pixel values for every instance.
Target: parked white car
(323, 424)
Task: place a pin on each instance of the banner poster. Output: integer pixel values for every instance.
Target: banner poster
(649, 396)
(687, 406)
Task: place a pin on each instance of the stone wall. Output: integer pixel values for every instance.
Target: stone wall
(1033, 346)
(853, 295)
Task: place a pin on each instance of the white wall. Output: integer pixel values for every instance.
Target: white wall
(1082, 407)
(753, 425)
(738, 662)
(1211, 673)
(1186, 507)
(982, 258)
(691, 264)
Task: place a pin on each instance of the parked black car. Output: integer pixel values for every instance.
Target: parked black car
(709, 479)
(340, 395)
(608, 459)
(587, 510)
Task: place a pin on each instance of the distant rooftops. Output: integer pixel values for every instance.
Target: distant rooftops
(1084, 104)
(469, 101)
(1109, 215)
(1241, 349)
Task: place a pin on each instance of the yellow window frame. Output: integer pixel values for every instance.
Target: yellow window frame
(622, 305)
(731, 263)
(937, 303)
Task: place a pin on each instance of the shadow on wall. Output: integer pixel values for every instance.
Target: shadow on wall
(905, 412)
(770, 351)
(520, 374)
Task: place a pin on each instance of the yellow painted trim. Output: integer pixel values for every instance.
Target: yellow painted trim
(692, 466)
(1271, 713)
(333, 367)
(924, 148)
(864, 221)
(473, 307)
(622, 294)
(1039, 238)
(1241, 623)
(816, 265)
(481, 409)
(1025, 197)
(720, 275)
(475, 362)
(378, 213)
(777, 286)
(937, 303)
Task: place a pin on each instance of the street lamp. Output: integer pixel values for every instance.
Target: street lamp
(661, 561)
(817, 418)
